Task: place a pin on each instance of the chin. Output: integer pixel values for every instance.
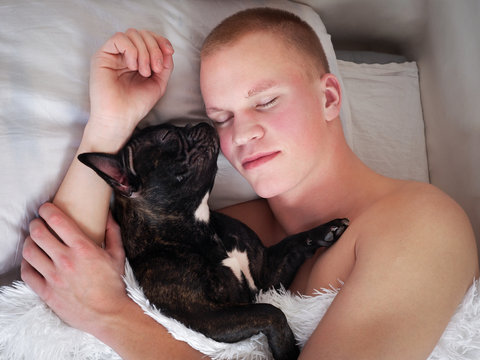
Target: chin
(268, 189)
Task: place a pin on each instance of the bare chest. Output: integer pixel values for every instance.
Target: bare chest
(329, 267)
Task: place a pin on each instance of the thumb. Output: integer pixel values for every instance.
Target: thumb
(113, 241)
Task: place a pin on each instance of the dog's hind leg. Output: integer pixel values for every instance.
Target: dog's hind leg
(238, 322)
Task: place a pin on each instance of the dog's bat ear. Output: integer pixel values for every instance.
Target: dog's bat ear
(109, 168)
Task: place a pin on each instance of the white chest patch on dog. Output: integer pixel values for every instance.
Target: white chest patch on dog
(237, 261)
(203, 211)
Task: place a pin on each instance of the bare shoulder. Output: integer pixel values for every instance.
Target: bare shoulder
(415, 257)
(424, 227)
(426, 220)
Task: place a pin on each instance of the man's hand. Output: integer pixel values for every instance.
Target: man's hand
(128, 75)
(81, 282)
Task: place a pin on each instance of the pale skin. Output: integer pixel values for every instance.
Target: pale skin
(406, 260)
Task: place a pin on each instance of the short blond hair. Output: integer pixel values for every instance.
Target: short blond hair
(294, 31)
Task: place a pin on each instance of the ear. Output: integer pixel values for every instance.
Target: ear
(333, 96)
(110, 168)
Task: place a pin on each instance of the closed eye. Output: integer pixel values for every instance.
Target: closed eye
(268, 104)
(220, 121)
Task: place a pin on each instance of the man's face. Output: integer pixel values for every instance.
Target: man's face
(267, 111)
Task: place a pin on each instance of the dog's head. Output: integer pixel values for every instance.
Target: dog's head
(162, 167)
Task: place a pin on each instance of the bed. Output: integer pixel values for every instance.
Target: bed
(409, 70)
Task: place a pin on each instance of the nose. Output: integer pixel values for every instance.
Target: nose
(246, 129)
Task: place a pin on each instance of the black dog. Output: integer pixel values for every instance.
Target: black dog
(199, 266)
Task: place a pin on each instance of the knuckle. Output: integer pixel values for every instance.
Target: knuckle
(56, 281)
(64, 263)
(50, 214)
(46, 209)
(55, 220)
(83, 248)
(37, 229)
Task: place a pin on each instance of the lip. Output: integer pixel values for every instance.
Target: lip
(259, 159)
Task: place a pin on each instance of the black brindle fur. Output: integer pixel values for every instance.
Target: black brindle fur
(177, 251)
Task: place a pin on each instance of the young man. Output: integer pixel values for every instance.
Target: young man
(406, 260)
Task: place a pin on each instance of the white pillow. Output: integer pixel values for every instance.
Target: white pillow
(387, 127)
(44, 62)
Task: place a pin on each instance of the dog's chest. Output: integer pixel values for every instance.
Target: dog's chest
(239, 264)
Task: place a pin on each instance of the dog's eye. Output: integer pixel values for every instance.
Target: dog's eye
(181, 175)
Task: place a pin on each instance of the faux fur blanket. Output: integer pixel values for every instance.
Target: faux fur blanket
(30, 330)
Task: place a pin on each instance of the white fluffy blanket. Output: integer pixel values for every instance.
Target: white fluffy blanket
(30, 330)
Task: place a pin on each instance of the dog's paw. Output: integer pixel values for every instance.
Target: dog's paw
(327, 234)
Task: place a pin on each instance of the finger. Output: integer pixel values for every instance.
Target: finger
(120, 44)
(156, 56)
(63, 226)
(143, 55)
(43, 238)
(160, 50)
(167, 51)
(163, 76)
(113, 240)
(37, 258)
(32, 278)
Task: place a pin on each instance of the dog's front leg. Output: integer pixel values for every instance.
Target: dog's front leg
(281, 261)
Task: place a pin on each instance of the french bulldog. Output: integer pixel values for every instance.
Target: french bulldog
(198, 266)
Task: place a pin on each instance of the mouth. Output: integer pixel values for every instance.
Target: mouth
(258, 160)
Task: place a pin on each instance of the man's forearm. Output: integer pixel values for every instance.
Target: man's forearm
(83, 195)
(134, 335)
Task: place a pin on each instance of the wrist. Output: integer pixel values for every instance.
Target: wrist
(131, 333)
(109, 326)
(105, 136)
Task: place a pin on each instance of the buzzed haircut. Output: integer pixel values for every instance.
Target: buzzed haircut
(294, 31)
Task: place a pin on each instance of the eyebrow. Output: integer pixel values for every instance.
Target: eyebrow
(261, 87)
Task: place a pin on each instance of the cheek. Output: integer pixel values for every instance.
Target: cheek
(225, 144)
(293, 121)
(286, 120)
